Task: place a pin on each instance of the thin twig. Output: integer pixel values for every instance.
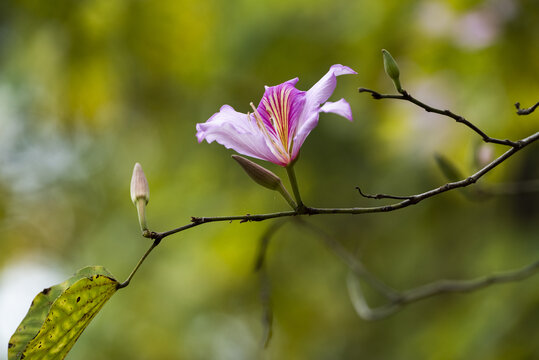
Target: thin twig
(414, 199)
(383, 196)
(128, 280)
(407, 97)
(526, 111)
(432, 289)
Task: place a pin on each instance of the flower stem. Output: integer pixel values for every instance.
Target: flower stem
(141, 211)
(294, 184)
(282, 190)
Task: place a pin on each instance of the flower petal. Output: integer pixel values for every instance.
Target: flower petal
(236, 131)
(322, 90)
(340, 107)
(314, 97)
(280, 108)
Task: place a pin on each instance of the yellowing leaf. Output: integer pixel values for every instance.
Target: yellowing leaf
(59, 314)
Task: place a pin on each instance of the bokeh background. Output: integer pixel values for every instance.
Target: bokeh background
(88, 88)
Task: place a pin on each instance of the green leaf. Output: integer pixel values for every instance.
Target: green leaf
(59, 314)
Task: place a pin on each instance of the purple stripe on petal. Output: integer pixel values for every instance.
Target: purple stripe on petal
(280, 109)
(278, 127)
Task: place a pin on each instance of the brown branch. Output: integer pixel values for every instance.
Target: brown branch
(397, 300)
(383, 196)
(414, 199)
(407, 97)
(432, 289)
(526, 111)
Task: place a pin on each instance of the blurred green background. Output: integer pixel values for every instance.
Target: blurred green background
(88, 88)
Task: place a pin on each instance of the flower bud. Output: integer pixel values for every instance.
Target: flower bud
(392, 69)
(264, 177)
(140, 195)
(139, 185)
(259, 174)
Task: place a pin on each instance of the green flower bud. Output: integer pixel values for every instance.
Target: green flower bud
(140, 194)
(392, 69)
(264, 177)
(259, 174)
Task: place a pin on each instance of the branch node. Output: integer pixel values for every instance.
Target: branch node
(385, 196)
(525, 111)
(247, 219)
(374, 94)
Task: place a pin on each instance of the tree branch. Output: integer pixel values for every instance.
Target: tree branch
(526, 111)
(396, 300)
(407, 97)
(383, 196)
(432, 289)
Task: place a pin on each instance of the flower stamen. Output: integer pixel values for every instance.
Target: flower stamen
(282, 152)
(277, 107)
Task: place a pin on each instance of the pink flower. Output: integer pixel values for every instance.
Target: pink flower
(277, 128)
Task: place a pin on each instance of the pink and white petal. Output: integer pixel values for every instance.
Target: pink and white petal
(226, 115)
(322, 90)
(292, 82)
(308, 125)
(236, 131)
(340, 107)
(316, 96)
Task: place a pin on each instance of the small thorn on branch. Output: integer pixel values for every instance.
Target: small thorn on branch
(525, 111)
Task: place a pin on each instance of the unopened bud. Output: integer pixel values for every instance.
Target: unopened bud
(259, 174)
(139, 185)
(264, 177)
(140, 194)
(392, 69)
